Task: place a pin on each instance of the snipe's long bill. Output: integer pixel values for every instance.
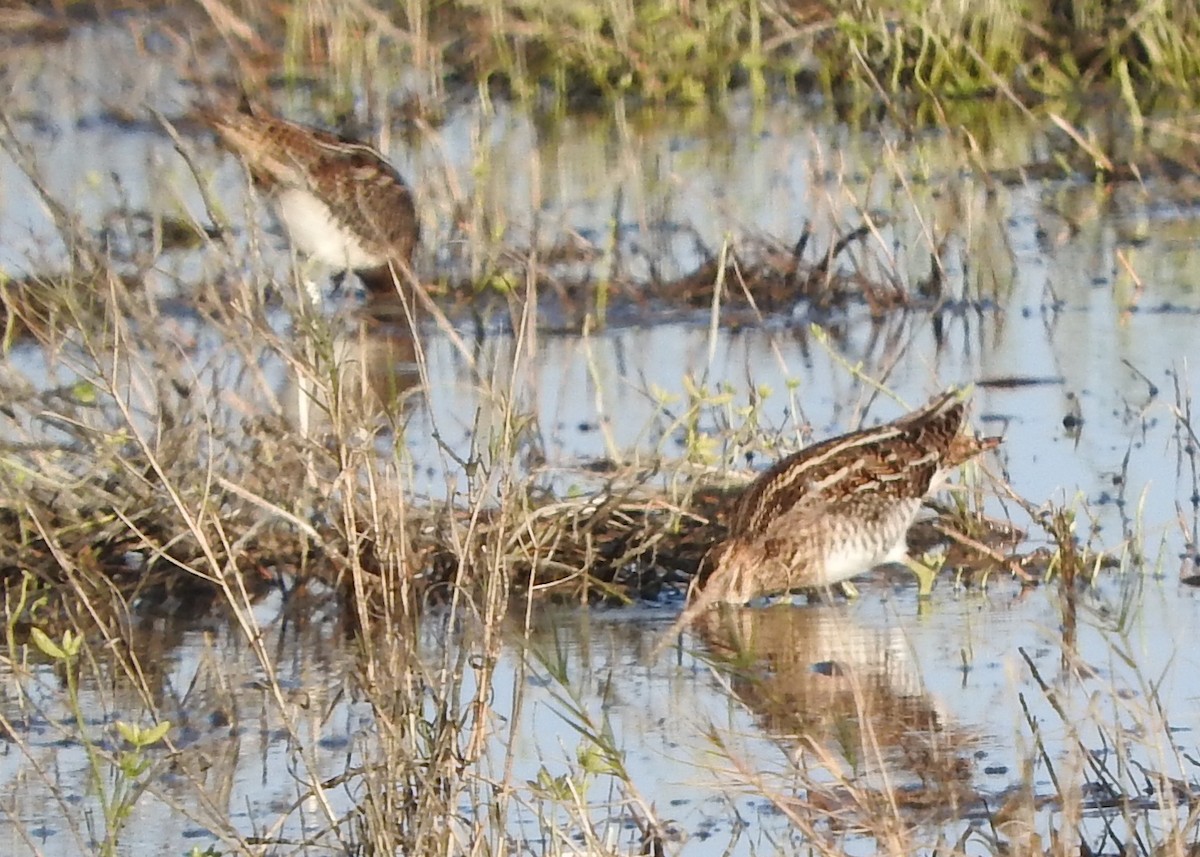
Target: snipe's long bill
(836, 509)
(341, 203)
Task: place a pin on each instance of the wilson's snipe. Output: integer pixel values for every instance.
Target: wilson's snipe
(341, 203)
(833, 510)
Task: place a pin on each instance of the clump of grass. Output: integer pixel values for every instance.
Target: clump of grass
(655, 49)
(662, 50)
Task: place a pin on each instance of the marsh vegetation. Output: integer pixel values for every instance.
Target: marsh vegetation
(383, 575)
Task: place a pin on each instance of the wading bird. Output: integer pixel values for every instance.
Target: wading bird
(836, 509)
(341, 203)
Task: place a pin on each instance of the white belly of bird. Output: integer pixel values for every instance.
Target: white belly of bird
(314, 231)
(848, 560)
(858, 553)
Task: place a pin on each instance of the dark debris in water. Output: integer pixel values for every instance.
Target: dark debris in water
(42, 307)
(757, 278)
(1189, 573)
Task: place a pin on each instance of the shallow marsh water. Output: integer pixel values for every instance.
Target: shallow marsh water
(1090, 290)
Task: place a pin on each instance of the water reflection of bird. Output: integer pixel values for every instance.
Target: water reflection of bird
(377, 375)
(342, 204)
(833, 510)
(848, 690)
